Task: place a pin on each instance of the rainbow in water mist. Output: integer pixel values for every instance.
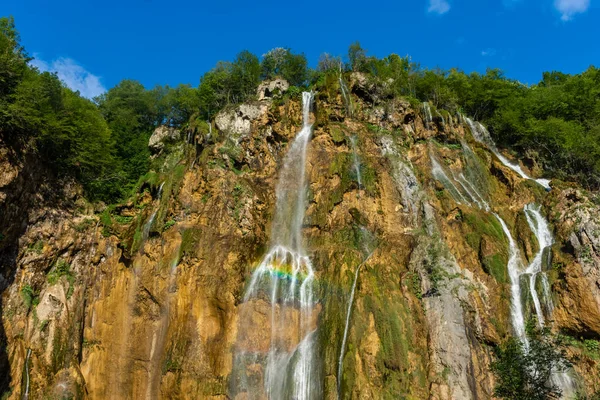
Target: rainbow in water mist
(287, 366)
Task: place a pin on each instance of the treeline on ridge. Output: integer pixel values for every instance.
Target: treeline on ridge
(103, 142)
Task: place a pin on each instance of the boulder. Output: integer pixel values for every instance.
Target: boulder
(161, 135)
(237, 122)
(272, 89)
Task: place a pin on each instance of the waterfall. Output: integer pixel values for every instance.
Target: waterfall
(470, 195)
(345, 93)
(539, 227)
(285, 278)
(438, 173)
(427, 114)
(356, 162)
(481, 134)
(148, 224)
(25, 395)
(514, 271)
(347, 325)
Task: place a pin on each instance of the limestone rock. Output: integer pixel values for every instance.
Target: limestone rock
(237, 122)
(272, 89)
(161, 135)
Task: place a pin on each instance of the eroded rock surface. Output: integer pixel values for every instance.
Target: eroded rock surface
(144, 300)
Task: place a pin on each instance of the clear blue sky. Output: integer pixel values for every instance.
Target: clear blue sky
(97, 43)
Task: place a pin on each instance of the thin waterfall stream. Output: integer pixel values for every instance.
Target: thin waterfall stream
(481, 134)
(427, 114)
(367, 253)
(25, 395)
(345, 93)
(284, 278)
(470, 196)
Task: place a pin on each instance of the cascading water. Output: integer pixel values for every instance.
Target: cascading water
(438, 173)
(148, 224)
(481, 134)
(427, 114)
(25, 395)
(356, 163)
(345, 93)
(285, 278)
(470, 195)
(514, 271)
(539, 227)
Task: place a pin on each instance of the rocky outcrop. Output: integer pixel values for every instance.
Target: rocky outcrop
(272, 89)
(161, 135)
(237, 122)
(144, 300)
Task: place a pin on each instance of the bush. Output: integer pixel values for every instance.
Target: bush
(525, 374)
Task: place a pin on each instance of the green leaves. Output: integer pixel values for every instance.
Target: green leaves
(525, 373)
(282, 62)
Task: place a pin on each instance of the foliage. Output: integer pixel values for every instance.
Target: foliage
(229, 83)
(282, 62)
(104, 143)
(556, 121)
(525, 373)
(29, 296)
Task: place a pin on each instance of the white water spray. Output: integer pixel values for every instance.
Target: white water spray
(427, 114)
(539, 227)
(514, 271)
(286, 277)
(148, 224)
(345, 93)
(438, 173)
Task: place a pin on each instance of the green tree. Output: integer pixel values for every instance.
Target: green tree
(357, 57)
(13, 58)
(524, 374)
(245, 75)
(129, 110)
(282, 62)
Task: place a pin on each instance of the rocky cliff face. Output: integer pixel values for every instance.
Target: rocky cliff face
(144, 299)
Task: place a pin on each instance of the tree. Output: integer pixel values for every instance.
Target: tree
(282, 62)
(129, 110)
(524, 374)
(327, 62)
(272, 62)
(357, 57)
(13, 58)
(245, 75)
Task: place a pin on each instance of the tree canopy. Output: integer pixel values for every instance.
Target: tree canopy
(103, 143)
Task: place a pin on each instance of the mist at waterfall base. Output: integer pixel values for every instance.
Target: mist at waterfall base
(284, 366)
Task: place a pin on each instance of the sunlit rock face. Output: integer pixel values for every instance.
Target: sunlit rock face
(216, 280)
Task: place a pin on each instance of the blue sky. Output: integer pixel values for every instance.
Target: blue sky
(93, 45)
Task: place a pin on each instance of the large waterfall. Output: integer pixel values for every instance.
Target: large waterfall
(285, 367)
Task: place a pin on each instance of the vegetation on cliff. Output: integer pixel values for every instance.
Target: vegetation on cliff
(103, 143)
(163, 273)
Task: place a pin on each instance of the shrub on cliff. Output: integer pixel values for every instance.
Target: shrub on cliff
(525, 374)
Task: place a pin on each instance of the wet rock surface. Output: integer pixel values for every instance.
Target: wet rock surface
(110, 312)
